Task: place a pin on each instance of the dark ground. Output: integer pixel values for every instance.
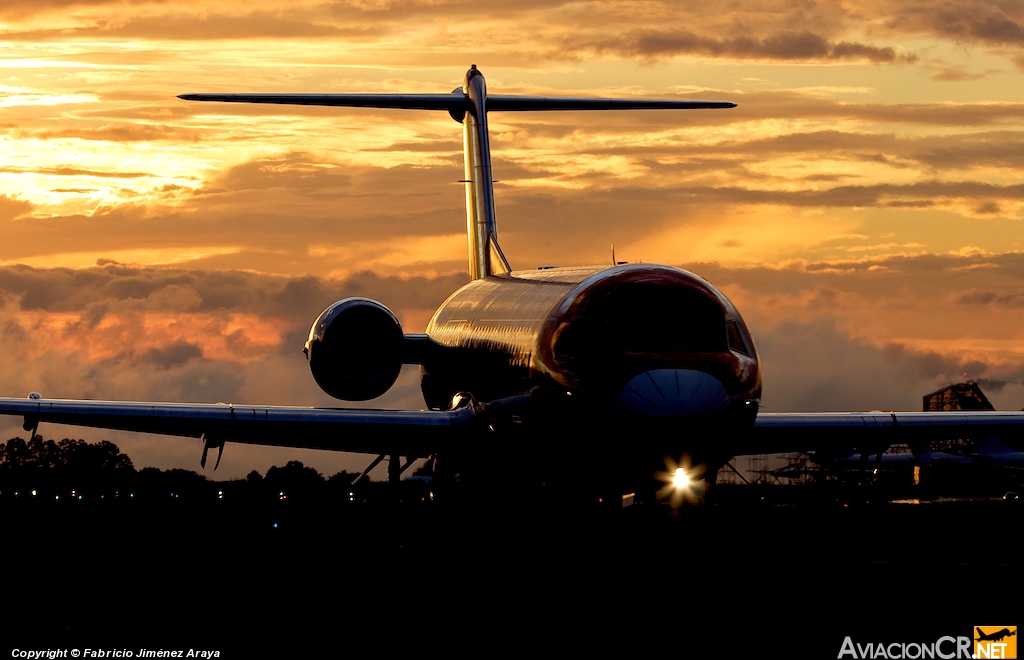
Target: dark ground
(790, 575)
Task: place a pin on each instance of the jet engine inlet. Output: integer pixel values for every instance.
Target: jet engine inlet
(355, 349)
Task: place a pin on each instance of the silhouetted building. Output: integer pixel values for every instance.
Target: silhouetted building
(960, 396)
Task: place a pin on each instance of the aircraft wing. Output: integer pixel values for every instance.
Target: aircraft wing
(412, 433)
(407, 101)
(787, 432)
(420, 433)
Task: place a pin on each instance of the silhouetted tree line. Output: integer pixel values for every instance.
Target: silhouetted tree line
(75, 469)
(296, 481)
(52, 467)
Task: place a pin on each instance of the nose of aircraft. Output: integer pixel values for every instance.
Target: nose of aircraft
(668, 393)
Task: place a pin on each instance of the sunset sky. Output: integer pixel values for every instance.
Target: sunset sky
(862, 206)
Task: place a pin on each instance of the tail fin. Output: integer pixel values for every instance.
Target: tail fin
(991, 446)
(469, 106)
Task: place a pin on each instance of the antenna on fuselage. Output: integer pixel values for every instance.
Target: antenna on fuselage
(469, 106)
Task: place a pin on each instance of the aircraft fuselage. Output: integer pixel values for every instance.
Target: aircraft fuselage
(652, 341)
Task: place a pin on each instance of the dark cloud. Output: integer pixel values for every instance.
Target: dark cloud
(761, 30)
(991, 22)
(171, 356)
(816, 367)
(139, 288)
(957, 75)
(1012, 301)
(845, 50)
(656, 44)
(994, 149)
(991, 384)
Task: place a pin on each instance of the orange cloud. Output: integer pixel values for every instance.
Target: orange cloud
(239, 338)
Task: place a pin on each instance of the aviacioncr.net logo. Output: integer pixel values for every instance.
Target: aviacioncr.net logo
(995, 642)
(944, 648)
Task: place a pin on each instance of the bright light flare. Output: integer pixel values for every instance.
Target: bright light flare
(682, 483)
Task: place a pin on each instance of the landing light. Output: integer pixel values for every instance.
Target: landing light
(681, 481)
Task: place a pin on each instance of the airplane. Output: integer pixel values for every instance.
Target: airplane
(896, 460)
(992, 452)
(994, 636)
(610, 375)
(921, 455)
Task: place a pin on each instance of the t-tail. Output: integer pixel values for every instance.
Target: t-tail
(469, 106)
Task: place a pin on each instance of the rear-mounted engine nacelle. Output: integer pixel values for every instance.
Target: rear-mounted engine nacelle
(355, 349)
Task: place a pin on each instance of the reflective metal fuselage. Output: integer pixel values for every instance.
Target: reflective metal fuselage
(616, 333)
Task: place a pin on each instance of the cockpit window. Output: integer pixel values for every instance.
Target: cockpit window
(737, 341)
(647, 318)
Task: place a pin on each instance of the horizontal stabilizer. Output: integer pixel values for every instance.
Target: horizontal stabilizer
(521, 103)
(408, 101)
(458, 101)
